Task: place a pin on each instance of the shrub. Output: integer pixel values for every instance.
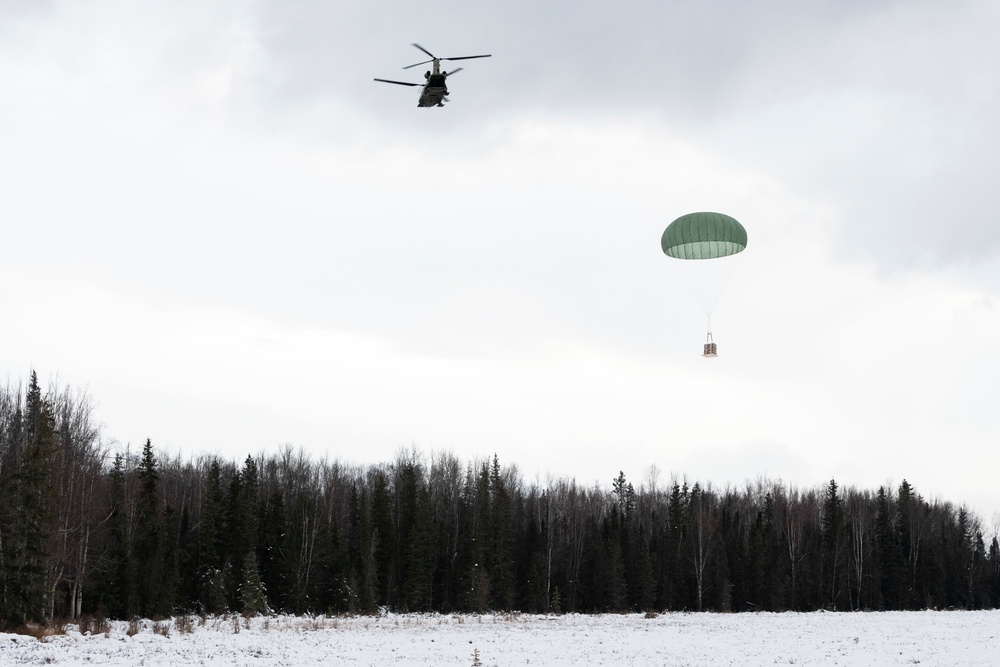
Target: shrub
(184, 624)
(94, 625)
(39, 630)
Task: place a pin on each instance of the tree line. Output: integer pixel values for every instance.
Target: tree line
(88, 530)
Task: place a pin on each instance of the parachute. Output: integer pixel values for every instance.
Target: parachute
(705, 244)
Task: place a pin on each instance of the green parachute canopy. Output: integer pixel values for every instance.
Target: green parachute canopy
(703, 236)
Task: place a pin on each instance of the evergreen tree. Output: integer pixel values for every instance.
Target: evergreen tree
(473, 561)
(993, 569)
(610, 570)
(978, 587)
(33, 406)
(531, 566)
(733, 585)
(623, 493)
(116, 591)
(272, 564)
(772, 592)
(501, 541)
(332, 570)
(245, 516)
(187, 548)
(384, 551)
(639, 570)
(24, 550)
(253, 598)
(675, 585)
(147, 571)
(214, 591)
(889, 556)
(210, 544)
(250, 501)
(757, 565)
(236, 533)
(168, 598)
(416, 540)
(364, 578)
(833, 527)
(909, 541)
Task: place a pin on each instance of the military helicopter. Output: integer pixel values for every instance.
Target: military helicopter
(435, 87)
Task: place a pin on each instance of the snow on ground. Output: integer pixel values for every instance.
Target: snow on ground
(687, 640)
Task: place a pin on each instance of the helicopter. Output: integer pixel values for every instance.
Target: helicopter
(435, 87)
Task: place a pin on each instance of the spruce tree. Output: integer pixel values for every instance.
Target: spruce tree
(993, 574)
(271, 563)
(168, 598)
(887, 555)
(610, 569)
(479, 530)
(383, 543)
(115, 587)
(148, 558)
(501, 541)
(642, 587)
(25, 548)
(416, 539)
(32, 410)
(251, 503)
(676, 594)
(532, 561)
(833, 527)
(365, 590)
(906, 508)
(253, 599)
(236, 536)
(210, 544)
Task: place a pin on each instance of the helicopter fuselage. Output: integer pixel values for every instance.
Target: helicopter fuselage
(434, 91)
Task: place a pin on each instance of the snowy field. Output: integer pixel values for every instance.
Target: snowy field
(903, 638)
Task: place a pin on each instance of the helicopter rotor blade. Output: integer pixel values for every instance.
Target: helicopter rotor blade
(424, 50)
(399, 83)
(433, 57)
(488, 55)
(454, 71)
(417, 64)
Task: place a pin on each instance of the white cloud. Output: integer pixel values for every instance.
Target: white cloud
(236, 239)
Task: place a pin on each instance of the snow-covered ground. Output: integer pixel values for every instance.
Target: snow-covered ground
(903, 638)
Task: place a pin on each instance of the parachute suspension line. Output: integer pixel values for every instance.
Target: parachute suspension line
(706, 279)
(726, 276)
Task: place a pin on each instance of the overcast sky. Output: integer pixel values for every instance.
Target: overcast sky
(213, 220)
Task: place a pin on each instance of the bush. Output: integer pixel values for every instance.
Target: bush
(184, 624)
(94, 625)
(39, 630)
